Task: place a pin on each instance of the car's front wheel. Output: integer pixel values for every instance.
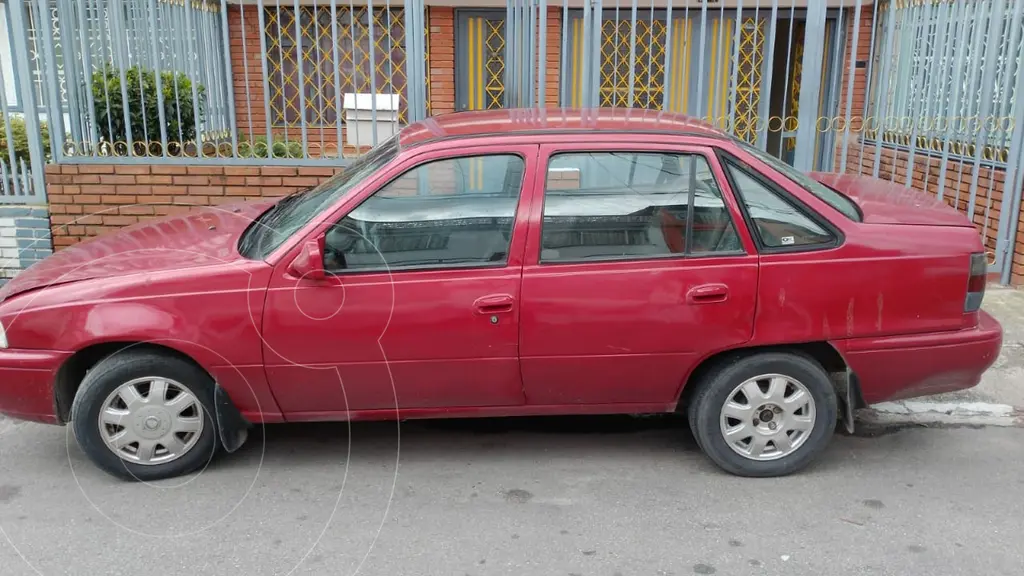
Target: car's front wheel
(145, 415)
(766, 414)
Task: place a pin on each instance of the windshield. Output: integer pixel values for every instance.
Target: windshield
(824, 193)
(271, 228)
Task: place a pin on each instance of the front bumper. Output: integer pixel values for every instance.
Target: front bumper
(900, 367)
(27, 380)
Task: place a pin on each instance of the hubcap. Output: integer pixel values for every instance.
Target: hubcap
(767, 417)
(151, 421)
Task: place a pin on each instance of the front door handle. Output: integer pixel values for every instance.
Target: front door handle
(707, 294)
(494, 303)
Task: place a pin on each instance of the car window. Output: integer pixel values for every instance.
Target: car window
(456, 212)
(779, 223)
(626, 205)
(831, 197)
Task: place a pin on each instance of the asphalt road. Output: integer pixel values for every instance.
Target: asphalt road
(593, 496)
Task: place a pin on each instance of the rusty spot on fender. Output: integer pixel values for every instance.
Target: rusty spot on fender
(849, 318)
(881, 302)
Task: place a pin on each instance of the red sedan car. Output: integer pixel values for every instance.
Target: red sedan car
(509, 263)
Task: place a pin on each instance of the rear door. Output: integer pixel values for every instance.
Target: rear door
(636, 267)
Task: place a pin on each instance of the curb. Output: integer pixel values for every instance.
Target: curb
(942, 413)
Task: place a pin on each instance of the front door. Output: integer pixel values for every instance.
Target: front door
(480, 60)
(421, 305)
(640, 268)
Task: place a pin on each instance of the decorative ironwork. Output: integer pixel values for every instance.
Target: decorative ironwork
(748, 82)
(364, 64)
(648, 78)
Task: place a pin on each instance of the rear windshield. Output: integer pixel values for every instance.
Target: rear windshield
(827, 195)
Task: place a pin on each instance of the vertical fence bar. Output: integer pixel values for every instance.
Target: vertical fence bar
(919, 46)
(851, 71)
(937, 74)
(542, 54)
(995, 24)
(299, 65)
(118, 38)
(565, 85)
(6, 114)
(4, 188)
(585, 77)
(250, 133)
(1012, 184)
(810, 86)
(869, 84)
(956, 81)
(373, 70)
(54, 110)
(65, 21)
(666, 92)
(157, 72)
(414, 45)
(883, 96)
(970, 103)
(87, 77)
(355, 69)
(632, 53)
(268, 118)
(764, 111)
(229, 75)
(189, 31)
(700, 58)
(18, 31)
(730, 112)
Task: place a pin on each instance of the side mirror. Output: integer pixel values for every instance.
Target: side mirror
(309, 264)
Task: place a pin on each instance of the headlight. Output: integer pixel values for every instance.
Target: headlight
(3, 336)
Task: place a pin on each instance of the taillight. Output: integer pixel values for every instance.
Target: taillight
(976, 283)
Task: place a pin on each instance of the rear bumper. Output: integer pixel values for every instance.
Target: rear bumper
(900, 367)
(26, 384)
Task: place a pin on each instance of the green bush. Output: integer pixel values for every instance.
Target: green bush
(258, 148)
(20, 137)
(144, 107)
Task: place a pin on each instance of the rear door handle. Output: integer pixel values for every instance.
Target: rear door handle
(707, 293)
(494, 303)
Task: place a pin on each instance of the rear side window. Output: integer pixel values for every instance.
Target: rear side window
(778, 222)
(633, 205)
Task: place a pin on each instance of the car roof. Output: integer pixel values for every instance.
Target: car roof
(553, 121)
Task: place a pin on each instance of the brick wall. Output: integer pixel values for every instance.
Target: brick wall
(91, 199)
(441, 60)
(24, 238)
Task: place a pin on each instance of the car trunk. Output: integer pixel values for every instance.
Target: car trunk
(884, 202)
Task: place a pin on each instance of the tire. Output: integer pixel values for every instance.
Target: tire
(767, 453)
(190, 385)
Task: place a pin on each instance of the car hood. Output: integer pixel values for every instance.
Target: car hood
(201, 238)
(885, 202)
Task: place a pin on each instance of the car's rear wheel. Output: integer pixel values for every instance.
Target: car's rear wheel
(145, 415)
(766, 414)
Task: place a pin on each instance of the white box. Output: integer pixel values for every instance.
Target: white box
(359, 116)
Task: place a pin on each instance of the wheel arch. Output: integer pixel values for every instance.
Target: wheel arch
(71, 373)
(824, 353)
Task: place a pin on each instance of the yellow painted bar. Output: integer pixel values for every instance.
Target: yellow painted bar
(686, 66)
(471, 67)
(724, 72)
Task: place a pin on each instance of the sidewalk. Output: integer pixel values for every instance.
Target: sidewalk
(998, 400)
